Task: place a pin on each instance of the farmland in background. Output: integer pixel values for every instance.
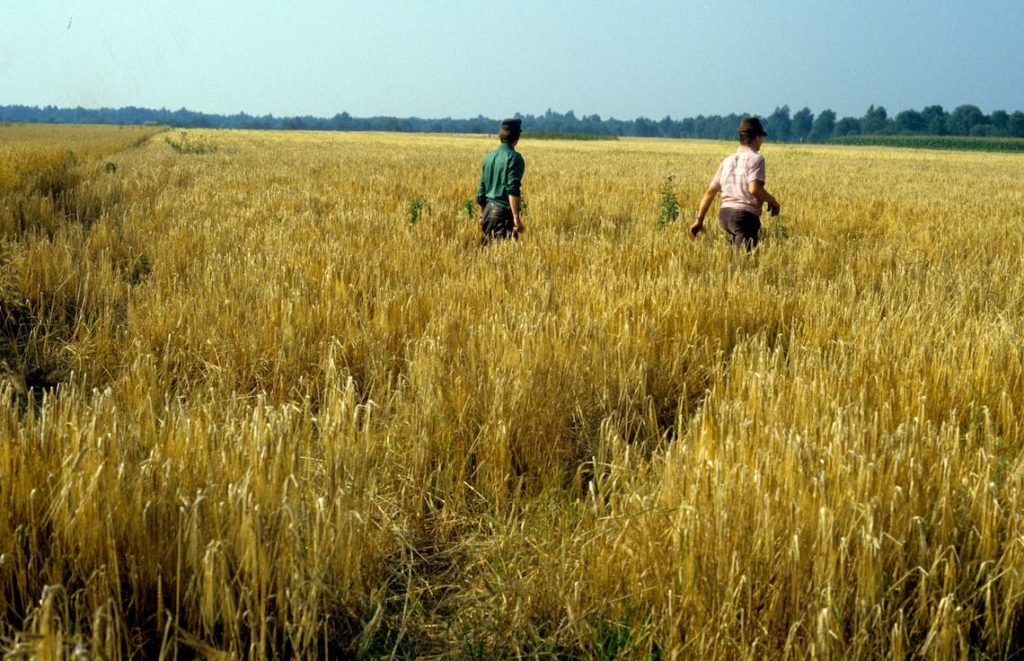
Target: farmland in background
(946, 142)
(263, 395)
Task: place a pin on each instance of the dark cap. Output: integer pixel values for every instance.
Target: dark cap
(512, 124)
(751, 126)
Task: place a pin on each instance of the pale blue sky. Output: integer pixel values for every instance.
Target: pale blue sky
(461, 58)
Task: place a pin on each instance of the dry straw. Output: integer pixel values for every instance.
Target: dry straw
(251, 410)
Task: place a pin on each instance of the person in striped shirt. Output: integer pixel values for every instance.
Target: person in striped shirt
(740, 180)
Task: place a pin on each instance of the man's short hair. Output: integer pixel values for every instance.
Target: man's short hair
(510, 130)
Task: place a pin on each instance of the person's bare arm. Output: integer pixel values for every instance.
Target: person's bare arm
(759, 192)
(705, 204)
(517, 223)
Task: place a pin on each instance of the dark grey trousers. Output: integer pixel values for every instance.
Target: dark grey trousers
(497, 224)
(743, 227)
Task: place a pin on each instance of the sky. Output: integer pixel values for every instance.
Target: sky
(462, 58)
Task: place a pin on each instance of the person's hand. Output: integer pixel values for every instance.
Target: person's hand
(518, 228)
(697, 227)
(773, 210)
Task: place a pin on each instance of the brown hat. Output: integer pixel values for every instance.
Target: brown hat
(751, 126)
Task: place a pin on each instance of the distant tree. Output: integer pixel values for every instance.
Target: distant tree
(340, 122)
(684, 127)
(727, 126)
(1015, 125)
(964, 118)
(702, 128)
(668, 128)
(258, 123)
(846, 126)
(778, 125)
(910, 121)
(568, 123)
(592, 124)
(645, 128)
(803, 122)
(616, 126)
(824, 125)
(875, 121)
(935, 120)
(1000, 120)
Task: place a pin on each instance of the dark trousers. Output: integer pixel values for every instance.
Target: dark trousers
(497, 224)
(743, 227)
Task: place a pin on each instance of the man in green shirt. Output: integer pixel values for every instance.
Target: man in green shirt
(501, 178)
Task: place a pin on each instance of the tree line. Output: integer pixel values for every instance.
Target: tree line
(782, 126)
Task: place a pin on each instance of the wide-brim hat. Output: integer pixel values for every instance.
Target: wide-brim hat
(751, 126)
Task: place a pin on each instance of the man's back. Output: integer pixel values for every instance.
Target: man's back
(733, 177)
(500, 176)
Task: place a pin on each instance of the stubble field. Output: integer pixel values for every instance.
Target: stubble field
(263, 395)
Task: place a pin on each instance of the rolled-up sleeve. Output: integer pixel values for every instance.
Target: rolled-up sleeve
(756, 166)
(716, 183)
(514, 177)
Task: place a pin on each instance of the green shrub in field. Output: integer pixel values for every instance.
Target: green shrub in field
(669, 210)
(417, 207)
(189, 145)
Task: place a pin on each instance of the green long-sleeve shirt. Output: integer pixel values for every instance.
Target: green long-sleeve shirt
(500, 176)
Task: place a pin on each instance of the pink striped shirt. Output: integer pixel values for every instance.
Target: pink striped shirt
(732, 177)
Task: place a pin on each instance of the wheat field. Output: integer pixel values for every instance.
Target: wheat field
(268, 398)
